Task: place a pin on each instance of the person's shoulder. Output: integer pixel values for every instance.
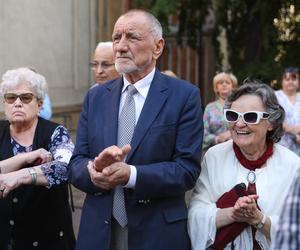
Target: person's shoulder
(284, 162)
(279, 93)
(3, 123)
(219, 158)
(176, 83)
(217, 150)
(285, 152)
(211, 105)
(100, 89)
(47, 123)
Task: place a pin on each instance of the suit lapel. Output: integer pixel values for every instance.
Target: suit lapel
(156, 97)
(111, 112)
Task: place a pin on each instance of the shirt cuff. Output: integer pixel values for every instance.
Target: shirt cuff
(132, 178)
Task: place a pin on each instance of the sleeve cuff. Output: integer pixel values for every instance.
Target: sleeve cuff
(132, 178)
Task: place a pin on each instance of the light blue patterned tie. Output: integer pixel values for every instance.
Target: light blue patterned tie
(125, 131)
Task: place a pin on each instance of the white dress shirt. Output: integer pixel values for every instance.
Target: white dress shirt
(142, 86)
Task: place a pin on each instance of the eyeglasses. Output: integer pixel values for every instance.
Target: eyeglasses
(26, 98)
(250, 117)
(104, 65)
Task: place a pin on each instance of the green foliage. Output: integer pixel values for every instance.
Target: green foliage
(259, 45)
(254, 41)
(251, 36)
(190, 13)
(162, 9)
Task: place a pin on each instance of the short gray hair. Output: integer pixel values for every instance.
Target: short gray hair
(15, 77)
(154, 25)
(269, 100)
(105, 45)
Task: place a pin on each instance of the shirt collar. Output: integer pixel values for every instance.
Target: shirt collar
(143, 85)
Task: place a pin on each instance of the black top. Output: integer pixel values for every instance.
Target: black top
(35, 217)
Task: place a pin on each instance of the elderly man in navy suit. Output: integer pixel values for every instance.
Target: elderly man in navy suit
(138, 148)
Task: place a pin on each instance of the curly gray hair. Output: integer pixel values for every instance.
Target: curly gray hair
(15, 77)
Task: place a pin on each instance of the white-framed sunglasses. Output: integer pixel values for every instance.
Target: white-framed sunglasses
(250, 117)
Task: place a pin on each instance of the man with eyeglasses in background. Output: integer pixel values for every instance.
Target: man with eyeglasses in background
(103, 63)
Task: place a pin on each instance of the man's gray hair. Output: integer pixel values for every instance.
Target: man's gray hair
(15, 77)
(154, 25)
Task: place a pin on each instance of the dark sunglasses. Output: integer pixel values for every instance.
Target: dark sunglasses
(25, 98)
(250, 117)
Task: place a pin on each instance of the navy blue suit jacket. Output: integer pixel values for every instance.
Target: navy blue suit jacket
(166, 150)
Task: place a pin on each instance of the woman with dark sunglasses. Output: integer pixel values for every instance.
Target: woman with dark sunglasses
(34, 157)
(289, 99)
(240, 192)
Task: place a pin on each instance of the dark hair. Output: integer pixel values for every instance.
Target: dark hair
(292, 70)
(269, 100)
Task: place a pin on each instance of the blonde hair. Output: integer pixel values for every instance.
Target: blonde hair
(169, 73)
(220, 76)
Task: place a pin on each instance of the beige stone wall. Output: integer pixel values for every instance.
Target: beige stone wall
(55, 37)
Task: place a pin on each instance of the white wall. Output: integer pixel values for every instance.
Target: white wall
(54, 36)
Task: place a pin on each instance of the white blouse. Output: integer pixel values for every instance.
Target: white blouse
(221, 171)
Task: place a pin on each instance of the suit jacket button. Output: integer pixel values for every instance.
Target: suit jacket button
(12, 222)
(98, 194)
(61, 233)
(35, 243)
(106, 222)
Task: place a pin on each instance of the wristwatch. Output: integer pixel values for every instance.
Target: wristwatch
(260, 224)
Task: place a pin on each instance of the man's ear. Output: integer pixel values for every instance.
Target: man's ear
(40, 103)
(158, 49)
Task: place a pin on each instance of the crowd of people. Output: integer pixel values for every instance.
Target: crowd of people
(141, 144)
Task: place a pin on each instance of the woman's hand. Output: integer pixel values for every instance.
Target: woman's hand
(11, 181)
(246, 210)
(38, 156)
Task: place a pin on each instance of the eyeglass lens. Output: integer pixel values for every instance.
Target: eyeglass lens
(249, 117)
(25, 98)
(104, 65)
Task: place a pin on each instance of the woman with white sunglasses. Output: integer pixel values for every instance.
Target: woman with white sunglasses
(243, 182)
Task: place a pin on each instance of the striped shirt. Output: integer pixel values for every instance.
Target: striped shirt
(288, 231)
